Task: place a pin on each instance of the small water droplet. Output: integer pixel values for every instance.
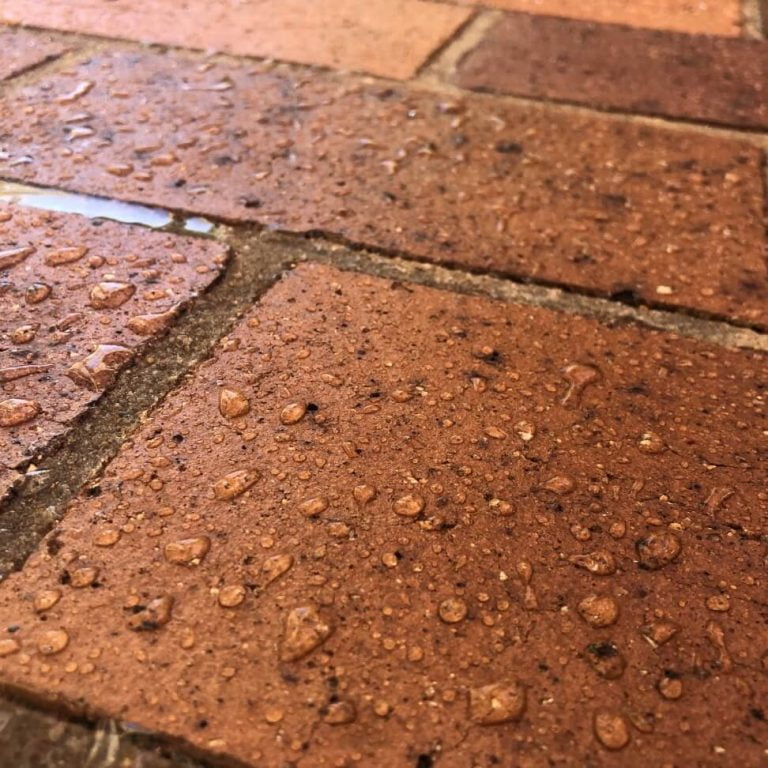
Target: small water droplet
(275, 566)
(453, 610)
(501, 702)
(36, 293)
(670, 687)
(231, 595)
(293, 413)
(314, 507)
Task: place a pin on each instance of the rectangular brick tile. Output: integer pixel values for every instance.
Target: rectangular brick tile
(379, 499)
(391, 38)
(710, 79)
(605, 206)
(711, 17)
(78, 298)
(21, 49)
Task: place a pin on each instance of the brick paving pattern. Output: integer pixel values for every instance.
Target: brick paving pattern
(380, 517)
(591, 203)
(20, 50)
(721, 80)
(712, 17)
(77, 301)
(337, 533)
(391, 38)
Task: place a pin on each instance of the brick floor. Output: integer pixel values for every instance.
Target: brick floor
(718, 80)
(391, 38)
(21, 49)
(78, 298)
(712, 17)
(384, 517)
(607, 206)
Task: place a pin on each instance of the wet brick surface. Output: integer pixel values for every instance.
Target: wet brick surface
(78, 297)
(391, 38)
(21, 49)
(718, 80)
(387, 525)
(616, 208)
(713, 17)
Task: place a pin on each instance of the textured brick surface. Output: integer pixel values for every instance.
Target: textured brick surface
(78, 297)
(606, 206)
(720, 80)
(384, 517)
(391, 38)
(712, 17)
(21, 49)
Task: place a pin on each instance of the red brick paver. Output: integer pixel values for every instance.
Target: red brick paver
(21, 49)
(606, 206)
(78, 298)
(391, 38)
(719, 80)
(387, 522)
(712, 17)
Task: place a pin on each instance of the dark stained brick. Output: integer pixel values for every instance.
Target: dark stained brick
(531, 439)
(392, 38)
(610, 207)
(21, 49)
(695, 77)
(70, 291)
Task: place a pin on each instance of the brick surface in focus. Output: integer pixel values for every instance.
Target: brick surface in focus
(391, 38)
(21, 49)
(383, 518)
(78, 298)
(719, 80)
(605, 206)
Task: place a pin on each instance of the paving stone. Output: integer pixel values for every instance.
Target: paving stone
(379, 528)
(21, 49)
(610, 207)
(391, 38)
(713, 79)
(712, 17)
(78, 298)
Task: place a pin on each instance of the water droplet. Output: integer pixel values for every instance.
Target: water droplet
(402, 395)
(147, 325)
(46, 599)
(657, 550)
(305, 630)
(501, 702)
(17, 411)
(37, 293)
(716, 636)
(410, 505)
(340, 713)
(313, 507)
(599, 610)
(81, 89)
(496, 433)
(274, 715)
(65, 255)
(83, 577)
(275, 566)
(235, 483)
(187, 551)
(14, 372)
(611, 729)
(364, 494)
(9, 646)
(651, 443)
(109, 295)
(599, 562)
(106, 537)
(579, 378)
(670, 687)
(525, 430)
(453, 610)
(293, 413)
(53, 641)
(606, 660)
(156, 614)
(24, 334)
(659, 632)
(99, 369)
(233, 403)
(121, 170)
(719, 603)
(14, 256)
(231, 596)
(560, 485)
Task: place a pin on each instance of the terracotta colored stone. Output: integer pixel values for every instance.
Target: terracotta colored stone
(391, 38)
(605, 206)
(360, 618)
(711, 17)
(713, 79)
(21, 49)
(58, 355)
